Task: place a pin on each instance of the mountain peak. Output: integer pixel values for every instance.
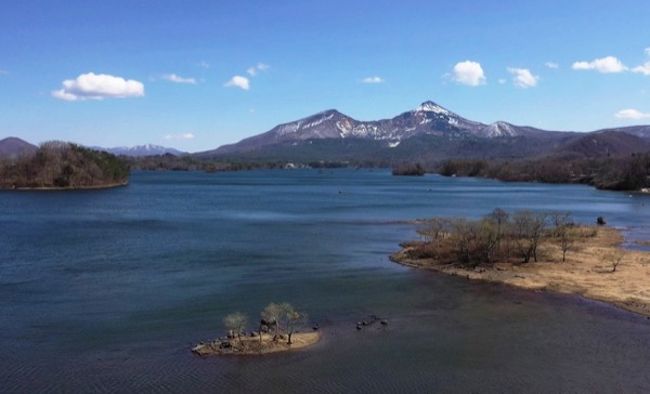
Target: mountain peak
(430, 106)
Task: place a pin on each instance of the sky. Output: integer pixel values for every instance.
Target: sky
(198, 74)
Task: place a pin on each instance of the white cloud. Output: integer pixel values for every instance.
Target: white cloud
(605, 65)
(468, 73)
(183, 136)
(642, 69)
(239, 82)
(552, 65)
(374, 79)
(502, 81)
(647, 51)
(633, 114)
(178, 79)
(93, 86)
(523, 78)
(259, 67)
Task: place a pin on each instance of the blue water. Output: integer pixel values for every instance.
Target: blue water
(107, 290)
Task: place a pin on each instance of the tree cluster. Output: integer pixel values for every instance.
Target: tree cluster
(497, 237)
(279, 319)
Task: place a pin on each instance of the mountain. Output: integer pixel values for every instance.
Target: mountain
(428, 118)
(428, 133)
(12, 147)
(142, 150)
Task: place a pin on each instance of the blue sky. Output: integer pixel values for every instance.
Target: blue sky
(486, 62)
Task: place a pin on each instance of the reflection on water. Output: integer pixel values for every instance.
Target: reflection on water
(106, 291)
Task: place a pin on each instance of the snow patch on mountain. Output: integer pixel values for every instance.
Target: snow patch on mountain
(430, 106)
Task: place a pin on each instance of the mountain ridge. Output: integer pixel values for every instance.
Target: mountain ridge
(439, 133)
(141, 150)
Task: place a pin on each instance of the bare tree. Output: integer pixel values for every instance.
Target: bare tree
(528, 228)
(292, 319)
(500, 218)
(614, 259)
(272, 314)
(236, 322)
(562, 231)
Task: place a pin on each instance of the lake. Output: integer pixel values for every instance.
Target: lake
(108, 290)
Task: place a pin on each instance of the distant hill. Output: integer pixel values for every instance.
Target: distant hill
(12, 147)
(428, 134)
(141, 150)
(604, 144)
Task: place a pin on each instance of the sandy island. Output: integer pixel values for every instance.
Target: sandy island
(250, 345)
(585, 272)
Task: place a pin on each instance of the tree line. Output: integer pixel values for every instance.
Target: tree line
(611, 173)
(497, 237)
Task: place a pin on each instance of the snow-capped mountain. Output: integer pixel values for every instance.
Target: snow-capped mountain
(142, 150)
(428, 118)
(427, 133)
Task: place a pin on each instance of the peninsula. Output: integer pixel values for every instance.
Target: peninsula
(537, 252)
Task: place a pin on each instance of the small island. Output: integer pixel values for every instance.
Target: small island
(63, 166)
(278, 331)
(535, 251)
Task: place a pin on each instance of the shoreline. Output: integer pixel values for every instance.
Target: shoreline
(583, 274)
(66, 188)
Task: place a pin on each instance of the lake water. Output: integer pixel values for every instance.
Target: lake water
(108, 290)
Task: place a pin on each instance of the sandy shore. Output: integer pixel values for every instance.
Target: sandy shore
(585, 271)
(251, 345)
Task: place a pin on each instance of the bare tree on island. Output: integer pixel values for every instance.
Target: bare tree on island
(271, 319)
(292, 319)
(236, 322)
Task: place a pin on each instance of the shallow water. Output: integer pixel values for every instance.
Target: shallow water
(107, 290)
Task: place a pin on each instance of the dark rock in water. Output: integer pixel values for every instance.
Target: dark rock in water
(315, 328)
(365, 323)
(358, 326)
(600, 221)
(384, 322)
(253, 334)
